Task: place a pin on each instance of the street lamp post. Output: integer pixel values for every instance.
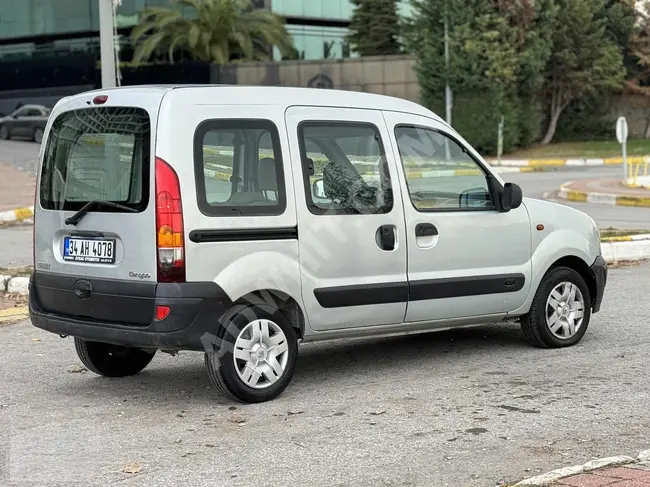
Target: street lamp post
(107, 44)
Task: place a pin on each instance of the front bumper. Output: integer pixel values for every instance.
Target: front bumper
(599, 271)
(196, 310)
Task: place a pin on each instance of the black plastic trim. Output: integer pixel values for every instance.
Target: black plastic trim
(466, 286)
(344, 296)
(244, 234)
(196, 310)
(401, 292)
(599, 270)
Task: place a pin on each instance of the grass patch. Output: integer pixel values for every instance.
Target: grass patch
(617, 232)
(573, 150)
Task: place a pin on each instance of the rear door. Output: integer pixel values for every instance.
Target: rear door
(99, 153)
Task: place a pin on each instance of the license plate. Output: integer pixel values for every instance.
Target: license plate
(95, 251)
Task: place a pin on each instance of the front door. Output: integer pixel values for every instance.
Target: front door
(465, 258)
(350, 217)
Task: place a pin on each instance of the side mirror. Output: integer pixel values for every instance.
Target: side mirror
(318, 188)
(511, 197)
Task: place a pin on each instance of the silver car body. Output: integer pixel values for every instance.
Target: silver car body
(332, 253)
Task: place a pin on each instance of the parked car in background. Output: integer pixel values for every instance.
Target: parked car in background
(27, 121)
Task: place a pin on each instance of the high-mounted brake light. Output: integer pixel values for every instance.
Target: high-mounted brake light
(169, 224)
(100, 99)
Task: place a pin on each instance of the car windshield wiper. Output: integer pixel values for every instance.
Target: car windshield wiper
(74, 219)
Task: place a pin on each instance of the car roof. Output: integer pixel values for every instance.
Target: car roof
(32, 105)
(287, 96)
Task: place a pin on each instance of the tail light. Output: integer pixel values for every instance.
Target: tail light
(169, 224)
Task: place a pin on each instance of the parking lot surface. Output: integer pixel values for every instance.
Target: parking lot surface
(463, 408)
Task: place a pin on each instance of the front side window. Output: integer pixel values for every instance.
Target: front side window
(239, 169)
(97, 154)
(344, 168)
(440, 174)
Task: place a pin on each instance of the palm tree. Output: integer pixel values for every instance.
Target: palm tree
(217, 31)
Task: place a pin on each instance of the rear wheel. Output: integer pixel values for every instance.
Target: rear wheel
(4, 132)
(256, 355)
(111, 360)
(561, 310)
(38, 135)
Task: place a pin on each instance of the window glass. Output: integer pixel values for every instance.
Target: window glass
(345, 168)
(239, 168)
(440, 174)
(97, 154)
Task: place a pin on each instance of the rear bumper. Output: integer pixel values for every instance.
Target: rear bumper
(196, 309)
(599, 271)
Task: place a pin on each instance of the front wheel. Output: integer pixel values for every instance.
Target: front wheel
(111, 360)
(4, 132)
(255, 356)
(561, 310)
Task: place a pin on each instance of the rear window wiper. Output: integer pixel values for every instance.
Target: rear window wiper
(74, 219)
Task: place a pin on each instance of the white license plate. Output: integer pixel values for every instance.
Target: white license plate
(95, 251)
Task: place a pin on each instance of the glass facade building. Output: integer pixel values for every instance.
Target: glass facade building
(32, 27)
(55, 43)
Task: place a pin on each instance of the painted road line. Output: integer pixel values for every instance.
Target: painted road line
(12, 314)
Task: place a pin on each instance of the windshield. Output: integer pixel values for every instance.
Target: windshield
(97, 154)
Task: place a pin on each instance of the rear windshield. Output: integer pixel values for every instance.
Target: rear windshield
(97, 154)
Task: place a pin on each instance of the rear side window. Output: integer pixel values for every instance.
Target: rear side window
(97, 154)
(239, 169)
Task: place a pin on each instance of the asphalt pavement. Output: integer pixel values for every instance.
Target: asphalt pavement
(464, 408)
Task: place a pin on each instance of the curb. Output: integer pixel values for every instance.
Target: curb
(17, 215)
(608, 161)
(558, 474)
(14, 285)
(569, 194)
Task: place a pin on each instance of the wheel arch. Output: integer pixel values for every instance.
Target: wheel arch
(279, 300)
(571, 258)
(582, 268)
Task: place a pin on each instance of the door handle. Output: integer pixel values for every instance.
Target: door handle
(425, 230)
(385, 237)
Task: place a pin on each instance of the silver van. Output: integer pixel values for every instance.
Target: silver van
(239, 221)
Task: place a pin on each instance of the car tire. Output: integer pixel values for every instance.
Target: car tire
(560, 312)
(111, 360)
(38, 135)
(266, 346)
(4, 132)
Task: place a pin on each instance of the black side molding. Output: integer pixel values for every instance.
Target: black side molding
(244, 234)
(381, 293)
(466, 286)
(402, 292)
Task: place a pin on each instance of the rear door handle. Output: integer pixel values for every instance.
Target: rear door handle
(425, 230)
(385, 237)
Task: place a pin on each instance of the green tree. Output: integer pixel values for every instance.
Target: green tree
(210, 30)
(374, 28)
(498, 54)
(585, 58)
